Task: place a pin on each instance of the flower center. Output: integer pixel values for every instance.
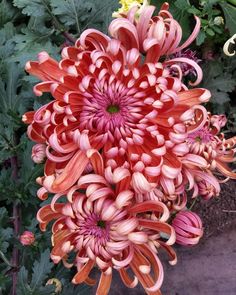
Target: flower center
(94, 226)
(110, 106)
(113, 109)
(101, 224)
(203, 135)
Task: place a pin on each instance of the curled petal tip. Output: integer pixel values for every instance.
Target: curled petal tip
(43, 56)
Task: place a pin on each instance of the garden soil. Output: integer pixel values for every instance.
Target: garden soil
(208, 268)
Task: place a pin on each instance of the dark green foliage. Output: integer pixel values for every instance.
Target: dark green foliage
(36, 283)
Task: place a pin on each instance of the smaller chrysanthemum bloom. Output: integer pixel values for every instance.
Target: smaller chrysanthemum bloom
(27, 238)
(127, 5)
(206, 189)
(188, 228)
(104, 226)
(57, 284)
(111, 238)
(184, 69)
(210, 144)
(38, 153)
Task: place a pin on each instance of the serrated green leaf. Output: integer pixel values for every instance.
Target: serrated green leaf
(219, 82)
(29, 43)
(32, 7)
(230, 16)
(23, 287)
(9, 87)
(5, 235)
(70, 12)
(7, 12)
(7, 32)
(41, 269)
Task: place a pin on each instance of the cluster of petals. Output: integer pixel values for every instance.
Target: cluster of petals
(103, 226)
(209, 143)
(124, 140)
(188, 228)
(38, 153)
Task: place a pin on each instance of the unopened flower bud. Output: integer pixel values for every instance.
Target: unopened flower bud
(27, 238)
(38, 153)
(188, 228)
(218, 21)
(57, 283)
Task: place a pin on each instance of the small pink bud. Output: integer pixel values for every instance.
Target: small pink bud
(27, 238)
(188, 228)
(38, 153)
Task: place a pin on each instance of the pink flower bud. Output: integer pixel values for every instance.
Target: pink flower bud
(38, 153)
(27, 238)
(188, 228)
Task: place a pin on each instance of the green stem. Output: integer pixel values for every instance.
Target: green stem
(193, 203)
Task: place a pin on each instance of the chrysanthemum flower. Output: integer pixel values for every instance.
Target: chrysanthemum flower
(105, 97)
(188, 228)
(104, 227)
(211, 144)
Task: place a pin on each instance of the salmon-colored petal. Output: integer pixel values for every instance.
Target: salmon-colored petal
(83, 273)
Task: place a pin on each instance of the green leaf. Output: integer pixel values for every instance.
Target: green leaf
(200, 38)
(29, 43)
(32, 7)
(7, 32)
(182, 4)
(230, 16)
(210, 32)
(5, 235)
(9, 87)
(7, 12)
(41, 269)
(23, 287)
(219, 81)
(194, 11)
(71, 12)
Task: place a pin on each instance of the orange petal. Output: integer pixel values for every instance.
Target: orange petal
(82, 275)
(71, 173)
(104, 283)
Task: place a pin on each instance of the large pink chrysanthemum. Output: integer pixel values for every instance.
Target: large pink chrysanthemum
(104, 227)
(107, 98)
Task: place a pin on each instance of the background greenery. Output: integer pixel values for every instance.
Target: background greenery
(30, 26)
